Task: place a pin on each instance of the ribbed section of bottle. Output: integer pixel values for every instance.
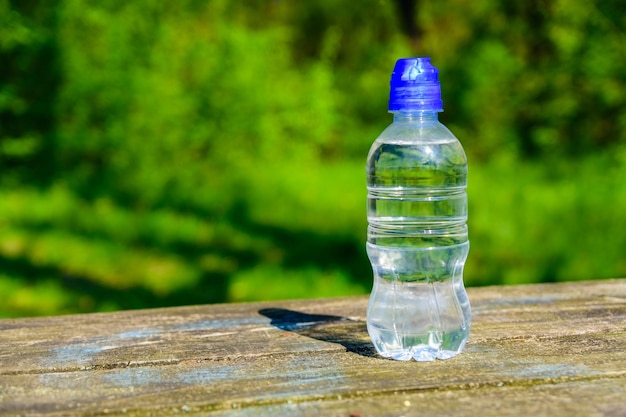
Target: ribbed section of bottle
(417, 244)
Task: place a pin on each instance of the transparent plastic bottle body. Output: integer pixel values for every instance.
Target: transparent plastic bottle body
(417, 240)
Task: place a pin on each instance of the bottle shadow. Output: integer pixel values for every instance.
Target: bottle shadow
(351, 334)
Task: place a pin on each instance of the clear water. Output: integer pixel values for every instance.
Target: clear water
(417, 242)
(418, 307)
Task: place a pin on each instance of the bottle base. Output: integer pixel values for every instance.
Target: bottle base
(419, 354)
(421, 348)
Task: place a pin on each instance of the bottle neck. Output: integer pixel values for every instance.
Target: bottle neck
(415, 116)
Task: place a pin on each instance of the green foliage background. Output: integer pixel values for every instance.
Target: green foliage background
(163, 153)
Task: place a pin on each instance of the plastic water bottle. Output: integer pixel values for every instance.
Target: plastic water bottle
(417, 235)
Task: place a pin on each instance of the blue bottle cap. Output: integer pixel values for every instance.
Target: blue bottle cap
(415, 86)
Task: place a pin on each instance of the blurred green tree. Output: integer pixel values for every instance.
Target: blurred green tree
(171, 153)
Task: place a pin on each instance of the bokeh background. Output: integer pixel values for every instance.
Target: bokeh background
(157, 153)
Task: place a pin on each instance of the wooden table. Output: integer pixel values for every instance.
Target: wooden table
(535, 350)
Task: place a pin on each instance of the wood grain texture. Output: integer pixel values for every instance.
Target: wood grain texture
(541, 350)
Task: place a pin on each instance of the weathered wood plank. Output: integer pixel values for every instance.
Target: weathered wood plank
(289, 379)
(214, 332)
(562, 343)
(570, 398)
